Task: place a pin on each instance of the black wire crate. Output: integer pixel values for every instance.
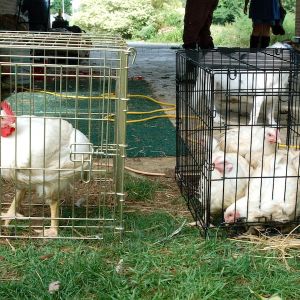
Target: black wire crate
(238, 137)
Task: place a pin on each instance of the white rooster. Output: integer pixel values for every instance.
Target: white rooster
(273, 190)
(252, 142)
(229, 180)
(35, 155)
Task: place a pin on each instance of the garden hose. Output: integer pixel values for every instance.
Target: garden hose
(112, 97)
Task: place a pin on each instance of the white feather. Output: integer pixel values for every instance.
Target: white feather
(273, 190)
(260, 86)
(227, 185)
(38, 155)
(252, 142)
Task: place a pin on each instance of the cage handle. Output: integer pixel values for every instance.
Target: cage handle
(230, 72)
(133, 52)
(85, 160)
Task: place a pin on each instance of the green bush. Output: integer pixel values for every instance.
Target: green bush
(114, 16)
(238, 34)
(162, 20)
(289, 5)
(172, 18)
(146, 33)
(169, 35)
(228, 11)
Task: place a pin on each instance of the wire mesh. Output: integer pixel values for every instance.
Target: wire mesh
(63, 167)
(238, 137)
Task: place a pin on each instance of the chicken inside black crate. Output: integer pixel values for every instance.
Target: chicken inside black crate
(247, 170)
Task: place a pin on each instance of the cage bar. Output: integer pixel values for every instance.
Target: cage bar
(237, 131)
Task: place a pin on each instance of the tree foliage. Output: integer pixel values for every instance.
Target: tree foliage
(228, 11)
(289, 5)
(56, 5)
(145, 19)
(117, 16)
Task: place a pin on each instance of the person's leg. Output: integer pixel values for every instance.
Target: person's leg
(196, 15)
(254, 41)
(255, 36)
(260, 37)
(205, 40)
(265, 36)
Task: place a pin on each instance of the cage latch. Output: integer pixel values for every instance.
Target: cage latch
(232, 74)
(82, 154)
(133, 52)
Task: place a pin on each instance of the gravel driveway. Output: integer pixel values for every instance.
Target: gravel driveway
(156, 63)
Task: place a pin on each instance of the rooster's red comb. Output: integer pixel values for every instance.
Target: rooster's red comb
(7, 108)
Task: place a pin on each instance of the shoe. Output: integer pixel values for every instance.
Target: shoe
(264, 42)
(191, 46)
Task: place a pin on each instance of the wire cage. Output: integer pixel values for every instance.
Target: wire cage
(237, 132)
(62, 159)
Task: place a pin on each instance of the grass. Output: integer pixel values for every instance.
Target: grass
(148, 264)
(235, 34)
(139, 189)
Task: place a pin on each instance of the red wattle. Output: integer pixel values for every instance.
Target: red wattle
(7, 131)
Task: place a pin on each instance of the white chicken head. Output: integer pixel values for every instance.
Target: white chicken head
(221, 163)
(272, 135)
(236, 211)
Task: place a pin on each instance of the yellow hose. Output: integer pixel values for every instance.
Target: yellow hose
(290, 146)
(112, 97)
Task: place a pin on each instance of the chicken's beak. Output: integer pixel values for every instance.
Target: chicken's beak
(274, 140)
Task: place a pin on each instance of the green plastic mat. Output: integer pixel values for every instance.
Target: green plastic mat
(152, 138)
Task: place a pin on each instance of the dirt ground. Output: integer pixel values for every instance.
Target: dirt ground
(169, 197)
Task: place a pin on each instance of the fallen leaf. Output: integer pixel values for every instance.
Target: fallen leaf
(273, 297)
(54, 287)
(119, 266)
(66, 250)
(79, 202)
(46, 256)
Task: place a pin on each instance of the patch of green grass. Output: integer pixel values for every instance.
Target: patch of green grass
(151, 262)
(182, 267)
(236, 34)
(140, 189)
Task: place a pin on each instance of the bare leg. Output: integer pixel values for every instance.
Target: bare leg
(12, 211)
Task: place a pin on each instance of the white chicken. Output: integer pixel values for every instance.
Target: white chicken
(35, 155)
(229, 180)
(268, 75)
(252, 142)
(273, 190)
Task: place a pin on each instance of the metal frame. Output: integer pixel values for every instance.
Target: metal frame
(201, 95)
(81, 78)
